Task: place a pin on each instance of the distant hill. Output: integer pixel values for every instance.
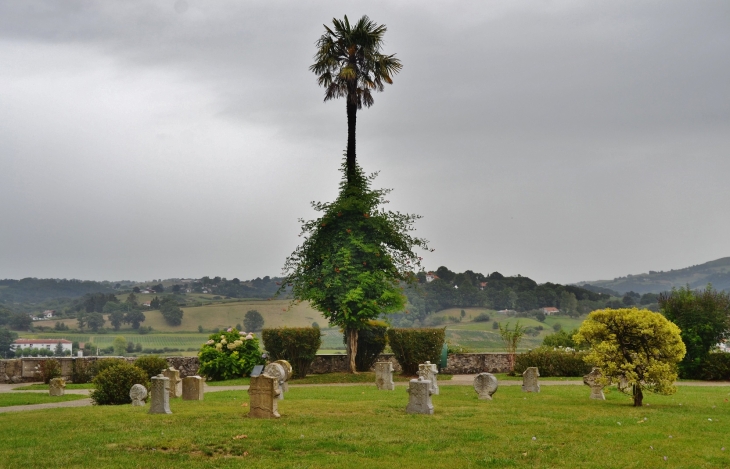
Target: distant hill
(36, 290)
(716, 272)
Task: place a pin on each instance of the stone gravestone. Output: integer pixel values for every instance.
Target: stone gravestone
(175, 383)
(138, 394)
(277, 371)
(623, 384)
(263, 392)
(160, 391)
(289, 370)
(384, 376)
(57, 387)
(419, 400)
(485, 384)
(529, 380)
(257, 370)
(192, 388)
(428, 371)
(592, 379)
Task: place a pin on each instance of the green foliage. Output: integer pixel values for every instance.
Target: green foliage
(112, 384)
(482, 317)
(120, 346)
(553, 362)
(102, 364)
(560, 339)
(49, 369)
(297, 345)
(414, 346)
(253, 321)
(704, 318)
(151, 364)
(715, 367)
(20, 322)
(642, 346)
(511, 339)
(95, 321)
(7, 337)
(228, 355)
(171, 311)
(371, 342)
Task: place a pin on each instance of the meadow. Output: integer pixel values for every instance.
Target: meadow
(359, 426)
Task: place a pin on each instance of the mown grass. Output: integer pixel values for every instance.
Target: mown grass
(30, 398)
(325, 378)
(44, 387)
(359, 426)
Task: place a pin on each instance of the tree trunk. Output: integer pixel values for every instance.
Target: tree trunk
(638, 396)
(352, 349)
(351, 123)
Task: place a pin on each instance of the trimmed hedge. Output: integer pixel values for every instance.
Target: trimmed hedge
(297, 345)
(151, 364)
(715, 367)
(414, 346)
(113, 383)
(371, 342)
(552, 362)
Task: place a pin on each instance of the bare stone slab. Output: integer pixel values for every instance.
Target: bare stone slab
(264, 392)
(160, 391)
(138, 394)
(529, 380)
(192, 388)
(276, 370)
(428, 371)
(419, 400)
(384, 376)
(57, 387)
(175, 382)
(592, 379)
(485, 384)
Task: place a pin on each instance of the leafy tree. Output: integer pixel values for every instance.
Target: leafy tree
(353, 258)
(628, 300)
(649, 298)
(20, 322)
(134, 317)
(155, 303)
(171, 311)
(59, 350)
(81, 319)
(511, 339)
(560, 339)
(638, 345)
(7, 337)
(95, 321)
(132, 300)
(116, 318)
(158, 288)
(349, 64)
(120, 346)
(253, 321)
(136, 290)
(568, 303)
(704, 318)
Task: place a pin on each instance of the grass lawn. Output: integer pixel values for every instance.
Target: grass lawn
(29, 398)
(361, 427)
(44, 387)
(326, 378)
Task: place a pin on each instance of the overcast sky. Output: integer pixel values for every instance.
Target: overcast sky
(560, 140)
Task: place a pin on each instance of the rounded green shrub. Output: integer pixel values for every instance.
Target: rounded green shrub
(553, 362)
(229, 354)
(371, 342)
(151, 364)
(100, 365)
(297, 345)
(414, 346)
(50, 369)
(112, 384)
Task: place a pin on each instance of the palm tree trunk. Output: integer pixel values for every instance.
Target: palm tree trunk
(351, 123)
(352, 349)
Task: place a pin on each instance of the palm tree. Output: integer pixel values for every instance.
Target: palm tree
(348, 63)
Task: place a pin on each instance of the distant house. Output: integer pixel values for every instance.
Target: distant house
(482, 285)
(506, 311)
(48, 344)
(430, 277)
(549, 310)
(48, 314)
(147, 304)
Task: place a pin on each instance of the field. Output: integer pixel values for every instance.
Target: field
(359, 426)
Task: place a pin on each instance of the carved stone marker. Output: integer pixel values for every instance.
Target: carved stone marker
(289, 370)
(138, 394)
(275, 370)
(384, 376)
(529, 380)
(160, 391)
(428, 371)
(623, 384)
(175, 383)
(485, 384)
(263, 392)
(592, 380)
(57, 387)
(192, 388)
(419, 401)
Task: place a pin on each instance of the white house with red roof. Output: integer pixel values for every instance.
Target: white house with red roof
(549, 310)
(48, 344)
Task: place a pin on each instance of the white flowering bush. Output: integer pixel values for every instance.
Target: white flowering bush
(229, 354)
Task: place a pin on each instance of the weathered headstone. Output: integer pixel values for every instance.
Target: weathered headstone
(160, 391)
(257, 370)
(275, 370)
(289, 370)
(175, 382)
(485, 384)
(428, 371)
(192, 388)
(623, 384)
(263, 391)
(592, 379)
(57, 387)
(384, 376)
(529, 380)
(138, 394)
(419, 399)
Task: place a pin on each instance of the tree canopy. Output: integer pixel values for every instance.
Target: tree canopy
(638, 346)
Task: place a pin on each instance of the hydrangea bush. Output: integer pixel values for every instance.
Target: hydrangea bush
(229, 354)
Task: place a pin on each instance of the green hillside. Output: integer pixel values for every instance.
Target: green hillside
(716, 272)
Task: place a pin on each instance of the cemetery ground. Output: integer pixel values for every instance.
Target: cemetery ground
(31, 398)
(358, 426)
